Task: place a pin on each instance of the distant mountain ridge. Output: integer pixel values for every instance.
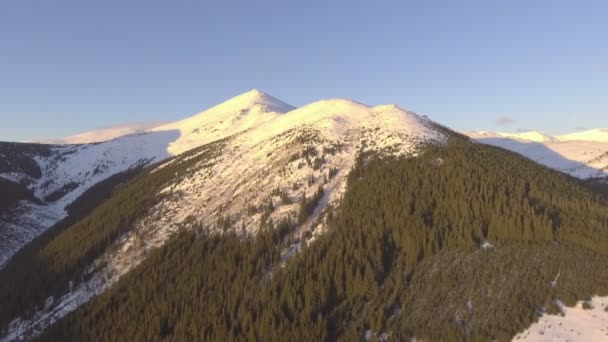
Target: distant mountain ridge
(103, 134)
(583, 154)
(597, 135)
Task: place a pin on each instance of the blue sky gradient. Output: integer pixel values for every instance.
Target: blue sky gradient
(73, 66)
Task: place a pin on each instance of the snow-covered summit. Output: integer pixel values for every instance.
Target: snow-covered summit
(265, 116)
(253, 98)
(239, 113)
(249, 107)
(249, 111)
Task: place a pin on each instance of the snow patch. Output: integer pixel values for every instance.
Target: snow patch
(486, 245)
(577, 324)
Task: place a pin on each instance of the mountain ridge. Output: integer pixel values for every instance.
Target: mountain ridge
(254, 166)
(102, 134)
(410, 236)
(233, 172)
(597, 135)
(581, 155)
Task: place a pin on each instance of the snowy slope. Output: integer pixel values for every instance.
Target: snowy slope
(269, 150)
(265, 151)
(67, 172)
(529, 136)
(105, 134)
(595, 135)
(533, 136)
(576, 324)
(269, 156)
(599, 135)
(240, 113)
(584, 158)
(258, 162)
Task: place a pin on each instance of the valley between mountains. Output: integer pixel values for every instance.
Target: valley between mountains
(256, 220)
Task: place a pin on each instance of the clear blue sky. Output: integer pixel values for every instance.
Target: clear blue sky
(72, 66)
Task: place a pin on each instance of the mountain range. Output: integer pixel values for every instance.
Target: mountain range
(583, 154)
(350, 207)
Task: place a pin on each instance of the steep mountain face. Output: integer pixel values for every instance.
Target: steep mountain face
(583, 155)
(246, 163)
(61, 173)
(56, 175)
(288, 155)
(258, 220)
(465, 242)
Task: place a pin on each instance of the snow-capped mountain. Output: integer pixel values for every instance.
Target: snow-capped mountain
(251, 151)
(61, 173)
(583, 155)
(238, 114)
(251, 160)
(58, 174)
(293, 151)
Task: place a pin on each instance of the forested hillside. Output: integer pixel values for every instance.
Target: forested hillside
(61, 258)
(463, 242)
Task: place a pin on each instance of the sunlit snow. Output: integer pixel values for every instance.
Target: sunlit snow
(576, 325)
(582, 155)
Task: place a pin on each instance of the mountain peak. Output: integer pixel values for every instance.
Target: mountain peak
(256, 92)
(257, 97)
(252, 95)
(237, 114)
